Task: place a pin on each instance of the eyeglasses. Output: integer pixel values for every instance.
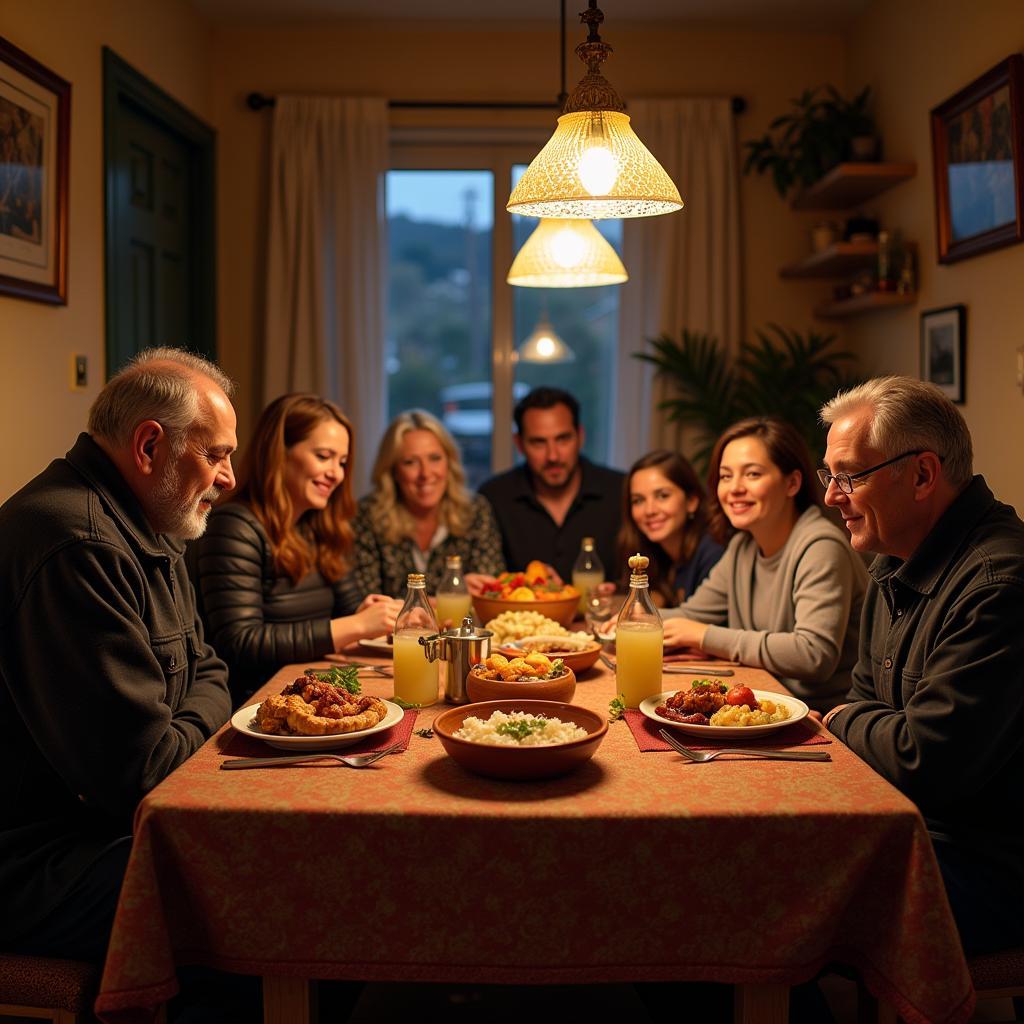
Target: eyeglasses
(845, 481)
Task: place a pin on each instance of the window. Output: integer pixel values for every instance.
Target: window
(453, 323)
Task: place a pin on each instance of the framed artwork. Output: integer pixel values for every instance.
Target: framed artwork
(35, 119)
(978, 161)
(943, 348)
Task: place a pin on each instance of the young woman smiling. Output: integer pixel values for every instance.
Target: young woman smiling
(419, 512)
(273, 565)
(786, 596)
(664, 517)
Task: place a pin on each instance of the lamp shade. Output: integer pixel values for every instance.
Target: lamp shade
(594, 167)
(566, 254)
(544, 346)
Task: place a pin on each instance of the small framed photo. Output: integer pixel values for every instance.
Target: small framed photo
(978, 161)
(943, 348)
(35, 118)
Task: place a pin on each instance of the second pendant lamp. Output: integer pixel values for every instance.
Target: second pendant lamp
(566, 254)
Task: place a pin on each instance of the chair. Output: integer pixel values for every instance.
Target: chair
(994, 976)
(1000, 975)
(61, 991)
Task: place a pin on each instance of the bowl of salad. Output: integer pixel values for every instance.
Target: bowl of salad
(533, 590)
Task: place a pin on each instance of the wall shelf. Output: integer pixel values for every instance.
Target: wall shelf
(837, 260)
(851, 184)
(869, 302)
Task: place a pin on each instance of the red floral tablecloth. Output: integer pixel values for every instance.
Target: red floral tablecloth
(413, 870)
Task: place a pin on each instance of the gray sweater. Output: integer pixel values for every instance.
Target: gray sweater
(804, 627)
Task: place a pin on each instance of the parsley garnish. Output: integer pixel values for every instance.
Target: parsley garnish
(522, 728)
(617, 707)
(344, 677)
(404, 704)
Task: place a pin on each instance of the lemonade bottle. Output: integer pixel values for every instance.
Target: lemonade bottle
(453, 600)
(587, 572)
(416, 679)
(639, 639)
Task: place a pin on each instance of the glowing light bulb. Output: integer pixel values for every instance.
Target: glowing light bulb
(567, 247)
(545, 347)
(598, 169)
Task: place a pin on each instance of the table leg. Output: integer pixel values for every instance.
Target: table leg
(760, 1004)
(286, 1000)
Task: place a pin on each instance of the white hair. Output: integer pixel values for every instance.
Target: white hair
(157, 384)
(910, 414)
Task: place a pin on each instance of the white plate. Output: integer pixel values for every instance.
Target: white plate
(243, 721)
(378, 643)
(797, 710)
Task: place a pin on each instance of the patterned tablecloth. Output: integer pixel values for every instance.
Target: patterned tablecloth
(638, 867)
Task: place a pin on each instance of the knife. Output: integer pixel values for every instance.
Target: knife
(679, 669)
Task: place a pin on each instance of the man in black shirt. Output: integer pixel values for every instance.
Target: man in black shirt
(548, 505)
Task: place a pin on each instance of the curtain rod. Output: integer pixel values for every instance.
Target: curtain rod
(258, 101)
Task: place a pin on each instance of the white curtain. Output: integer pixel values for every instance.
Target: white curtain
(684, 268)
(324, 329)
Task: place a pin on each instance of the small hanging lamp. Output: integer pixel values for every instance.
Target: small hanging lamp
(544, 345)
(566, 254)
(594, 166)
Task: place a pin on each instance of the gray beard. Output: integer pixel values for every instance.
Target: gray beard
(177, 516)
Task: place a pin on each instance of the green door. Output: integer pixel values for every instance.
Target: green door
(160, 271)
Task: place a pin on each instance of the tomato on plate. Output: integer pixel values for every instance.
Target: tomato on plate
(742, 695)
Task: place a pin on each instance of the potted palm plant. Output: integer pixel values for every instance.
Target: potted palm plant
(804, 144)
(782, 373)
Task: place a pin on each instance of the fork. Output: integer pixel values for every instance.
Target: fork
(699, 757)
(352, 760)
(336, 659)
(678, 669)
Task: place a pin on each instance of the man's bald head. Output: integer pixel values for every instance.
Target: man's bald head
(168, 385)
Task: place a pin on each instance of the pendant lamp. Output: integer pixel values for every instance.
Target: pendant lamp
(566, 254)
(594, 166)
(545, 346)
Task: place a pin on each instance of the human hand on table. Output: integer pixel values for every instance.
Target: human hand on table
(684, 633)
(376, 615)
(476, 581)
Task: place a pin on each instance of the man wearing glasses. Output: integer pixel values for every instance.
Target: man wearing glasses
(937, 700)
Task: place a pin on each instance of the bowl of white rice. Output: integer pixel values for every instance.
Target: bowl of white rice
(520, 739)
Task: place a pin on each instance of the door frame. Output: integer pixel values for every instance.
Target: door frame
(124, 84)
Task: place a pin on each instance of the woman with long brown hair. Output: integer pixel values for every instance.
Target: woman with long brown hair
(664, 517)
(786, 595)
(273, 566)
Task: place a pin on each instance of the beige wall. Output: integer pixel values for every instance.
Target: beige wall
(916, 54)
(40, 415)
(421, 61)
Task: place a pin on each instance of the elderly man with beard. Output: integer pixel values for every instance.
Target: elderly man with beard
(106, 683)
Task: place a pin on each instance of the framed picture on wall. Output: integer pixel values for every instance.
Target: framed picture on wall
(35, 118)
(978, 160)
(943, 348)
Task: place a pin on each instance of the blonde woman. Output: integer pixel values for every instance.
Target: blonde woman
(420, 513)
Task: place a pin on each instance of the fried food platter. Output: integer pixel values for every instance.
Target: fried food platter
(244, 721)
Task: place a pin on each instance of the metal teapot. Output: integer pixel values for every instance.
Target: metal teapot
(460, 649)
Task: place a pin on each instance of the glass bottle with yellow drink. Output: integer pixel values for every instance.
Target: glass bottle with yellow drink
(416, 679)
(453, 602)
(639, 640)
(587, 572)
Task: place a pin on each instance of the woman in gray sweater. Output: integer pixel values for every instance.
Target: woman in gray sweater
(786, 595)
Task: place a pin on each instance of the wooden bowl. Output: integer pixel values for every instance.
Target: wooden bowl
(561, 689)
(578, 653)
(521, 762)
(562, 611)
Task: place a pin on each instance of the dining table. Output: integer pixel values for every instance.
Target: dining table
(638, 866)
